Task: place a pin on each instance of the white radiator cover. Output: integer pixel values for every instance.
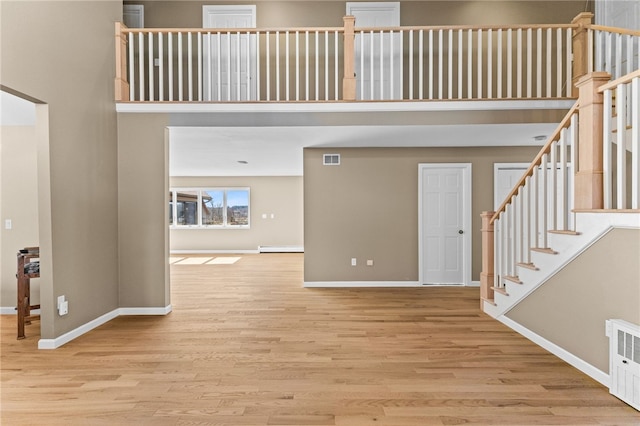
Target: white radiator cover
(624, 361)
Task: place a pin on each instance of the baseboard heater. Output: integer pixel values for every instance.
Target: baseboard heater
(624, 361)
(281, 249)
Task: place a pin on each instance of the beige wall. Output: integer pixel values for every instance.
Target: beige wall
(62, 53)
(143, 193)
(19, 193)
(277, 195)
(329, 13)
(368, 208)
(579, 299)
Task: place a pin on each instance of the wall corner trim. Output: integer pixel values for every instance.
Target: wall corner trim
(588, 369)
(103, 319)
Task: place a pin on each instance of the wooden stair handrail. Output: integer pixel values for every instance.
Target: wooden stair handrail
(618, 81)
(623, 31)
(537, 160)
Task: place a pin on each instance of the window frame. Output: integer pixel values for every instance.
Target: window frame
(173, 202)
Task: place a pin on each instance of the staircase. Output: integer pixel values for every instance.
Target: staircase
(579, 187)
(564, 246)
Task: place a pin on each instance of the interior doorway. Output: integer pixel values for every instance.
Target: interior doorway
(445, 223)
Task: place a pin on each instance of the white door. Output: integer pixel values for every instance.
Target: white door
(377, 67)
(445, 202)
(229, 60)
(505, 177)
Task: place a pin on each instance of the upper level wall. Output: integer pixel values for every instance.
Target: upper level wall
(188, 14)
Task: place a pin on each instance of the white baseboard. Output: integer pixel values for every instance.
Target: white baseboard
(146, 311)
(561, 353)
(474, 284)
(360, 284)
(214, 252)
(85, 328)
(281, 249)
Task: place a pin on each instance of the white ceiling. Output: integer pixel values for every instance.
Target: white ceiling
(277, 150)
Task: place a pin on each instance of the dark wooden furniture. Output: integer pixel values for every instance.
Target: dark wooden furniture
(26, 270)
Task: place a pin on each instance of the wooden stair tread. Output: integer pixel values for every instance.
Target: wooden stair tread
(513, 278)
(546, 250)
(563, 232)
(530, 266)
(490, 301)
(500, 290)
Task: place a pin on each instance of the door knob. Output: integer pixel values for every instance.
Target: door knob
(461, 232)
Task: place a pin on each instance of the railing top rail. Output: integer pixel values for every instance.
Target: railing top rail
(544, 150)
(618, 81)
(616, 30)
(341, 29)
(469, 27)
(229, 30)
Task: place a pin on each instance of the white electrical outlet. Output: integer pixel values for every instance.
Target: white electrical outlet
(8, 224)
(370, 262)
(354, 262)
(64, 308)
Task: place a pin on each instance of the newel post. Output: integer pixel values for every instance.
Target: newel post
(580, 48)
(589, 171)
(121, 83)
(349, 78)
(487, 273)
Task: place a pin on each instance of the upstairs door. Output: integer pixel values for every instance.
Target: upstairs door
(229, 59)
(378, 56)
(445, 224)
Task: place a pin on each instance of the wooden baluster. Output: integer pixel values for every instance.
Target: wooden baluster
(635, 141)
(607, 162)
(450, 66)
(326, 65)
(121, 84)
(562, 197)
(553, 186)
(460, 56)
(268, 67)
(488, 249)
(509, 63)
(160, 67)
(489, 64)
(430, 56)
(479, 71)
(335, 60)
(132, 68)
(297, 65)
(529, 62)
(306, 65)
(286, 66)
(141, 96)
(519, 63)
(621, 141)
(317, 77)
(499, 65)
(420, 64)
(170, 64)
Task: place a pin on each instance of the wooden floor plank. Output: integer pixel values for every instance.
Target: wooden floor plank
(247, 345)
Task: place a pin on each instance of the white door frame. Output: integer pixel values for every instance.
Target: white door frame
(466, 202)
(504, 166)
(391, 9)
(208, 12)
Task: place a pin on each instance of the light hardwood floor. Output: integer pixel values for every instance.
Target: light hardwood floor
(246, 345)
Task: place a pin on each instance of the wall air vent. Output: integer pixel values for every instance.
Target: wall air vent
(331, 159)
(624, 361)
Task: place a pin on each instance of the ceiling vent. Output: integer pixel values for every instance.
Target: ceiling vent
(331, 159)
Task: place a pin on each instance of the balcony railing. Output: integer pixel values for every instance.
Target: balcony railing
(365, 64)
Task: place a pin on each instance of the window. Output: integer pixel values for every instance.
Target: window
(209, 208)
